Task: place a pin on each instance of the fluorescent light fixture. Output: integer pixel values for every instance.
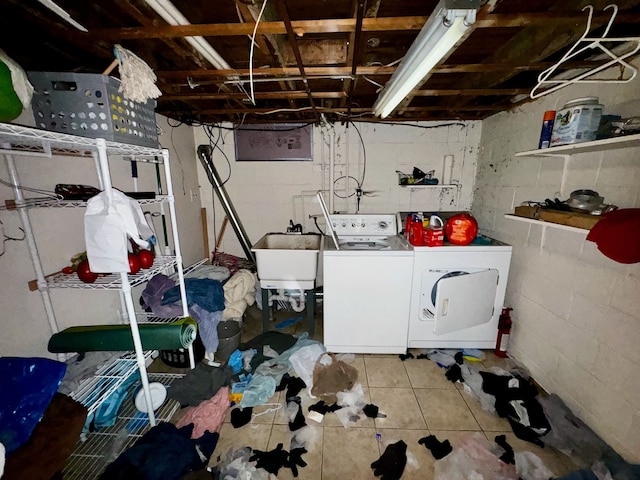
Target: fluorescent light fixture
(173, 16)
(62, 14)
(445, 27)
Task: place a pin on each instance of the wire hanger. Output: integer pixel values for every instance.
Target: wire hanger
(586, 43)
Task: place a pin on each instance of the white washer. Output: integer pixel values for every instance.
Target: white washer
(367, 286)
(457, 295)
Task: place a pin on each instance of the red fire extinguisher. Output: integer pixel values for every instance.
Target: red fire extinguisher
(504, 331)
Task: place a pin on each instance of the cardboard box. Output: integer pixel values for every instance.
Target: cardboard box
(579, 220)
(528, 212)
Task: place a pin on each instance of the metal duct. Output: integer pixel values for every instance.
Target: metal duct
(204, 153)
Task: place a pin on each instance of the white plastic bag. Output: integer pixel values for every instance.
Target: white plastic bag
(107, 226)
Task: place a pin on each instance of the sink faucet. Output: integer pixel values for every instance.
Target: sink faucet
(297, 228)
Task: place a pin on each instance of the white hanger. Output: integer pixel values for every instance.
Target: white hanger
(591, 43)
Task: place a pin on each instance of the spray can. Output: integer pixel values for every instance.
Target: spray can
(504, 331)
(547, 129)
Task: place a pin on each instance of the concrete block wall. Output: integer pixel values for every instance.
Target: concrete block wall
(576, 312)
(267, 194)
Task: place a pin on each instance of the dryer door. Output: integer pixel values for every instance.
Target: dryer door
(464, 301)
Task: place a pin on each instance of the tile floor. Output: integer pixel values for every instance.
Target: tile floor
(417, 399)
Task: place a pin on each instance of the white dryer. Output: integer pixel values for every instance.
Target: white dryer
(457, 295)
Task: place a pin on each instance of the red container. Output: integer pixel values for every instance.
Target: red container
(461, 229)
(433, 236)
(416, 233)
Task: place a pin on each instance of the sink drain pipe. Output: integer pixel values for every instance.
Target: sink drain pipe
(204, 153)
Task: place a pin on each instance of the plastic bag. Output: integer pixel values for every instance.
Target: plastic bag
(531, 467)
(107, 225)
(304, 360)
(27, 386)
(472, 458)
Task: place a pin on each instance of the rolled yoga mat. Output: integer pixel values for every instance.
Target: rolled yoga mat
(108, 338)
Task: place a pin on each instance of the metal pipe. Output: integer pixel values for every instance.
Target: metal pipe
(204, 153)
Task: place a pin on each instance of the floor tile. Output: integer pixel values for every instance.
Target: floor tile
(313, 457)
(419, 459)
(386, 371)
(445, 409)
(348, 453)
(400, 406)
(424, 373)
(256, 436)
(488, 421)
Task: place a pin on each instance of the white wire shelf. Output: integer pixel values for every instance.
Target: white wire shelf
(624, 141)
(95, 390)
(55, 203)
(100, 448)
(31, 141)
(161, 264)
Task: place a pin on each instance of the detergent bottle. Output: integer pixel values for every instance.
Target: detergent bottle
(433, 235)
(416, 231)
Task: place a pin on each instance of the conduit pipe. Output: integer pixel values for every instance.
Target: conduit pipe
(332, 161)
(204, 153)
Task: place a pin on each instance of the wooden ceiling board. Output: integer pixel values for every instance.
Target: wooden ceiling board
(510, 44)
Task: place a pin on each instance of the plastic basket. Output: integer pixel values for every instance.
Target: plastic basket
(89, 105)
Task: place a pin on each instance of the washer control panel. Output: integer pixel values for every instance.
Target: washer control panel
(364, 224)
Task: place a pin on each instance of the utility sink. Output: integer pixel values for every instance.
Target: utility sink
(288, 260)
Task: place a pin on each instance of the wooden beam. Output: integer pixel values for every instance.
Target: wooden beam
(476, 92)
(341, 25)
(166, 75)
(356, 110)
(284, 13)
(357, 36)
(296, 94)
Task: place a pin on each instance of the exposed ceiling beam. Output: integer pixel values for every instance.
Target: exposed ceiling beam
(298, 94)
(342, 25)
(356, 39)
(370, 70)
(356, 110)
(284, 13)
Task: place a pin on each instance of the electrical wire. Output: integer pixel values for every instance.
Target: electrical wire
(215, 144)
(6, 238)
(253, 43)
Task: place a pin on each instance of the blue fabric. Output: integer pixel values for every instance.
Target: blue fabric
(258, 392)
(235, 361)
(205, 292)
(207, 326)
(107, 413)
(27, 386)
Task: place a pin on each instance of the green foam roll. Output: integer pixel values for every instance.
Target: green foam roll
(111, 338)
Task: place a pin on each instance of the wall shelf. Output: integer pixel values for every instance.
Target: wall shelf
(625, 141)
(431, 186)
(546, 224)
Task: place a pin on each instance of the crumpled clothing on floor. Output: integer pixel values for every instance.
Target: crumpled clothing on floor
(164, 452)
(239, 292)
(235, 464)
(208, 415)
(199, 384)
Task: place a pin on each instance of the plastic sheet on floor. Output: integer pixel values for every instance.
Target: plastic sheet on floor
(473, 458)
